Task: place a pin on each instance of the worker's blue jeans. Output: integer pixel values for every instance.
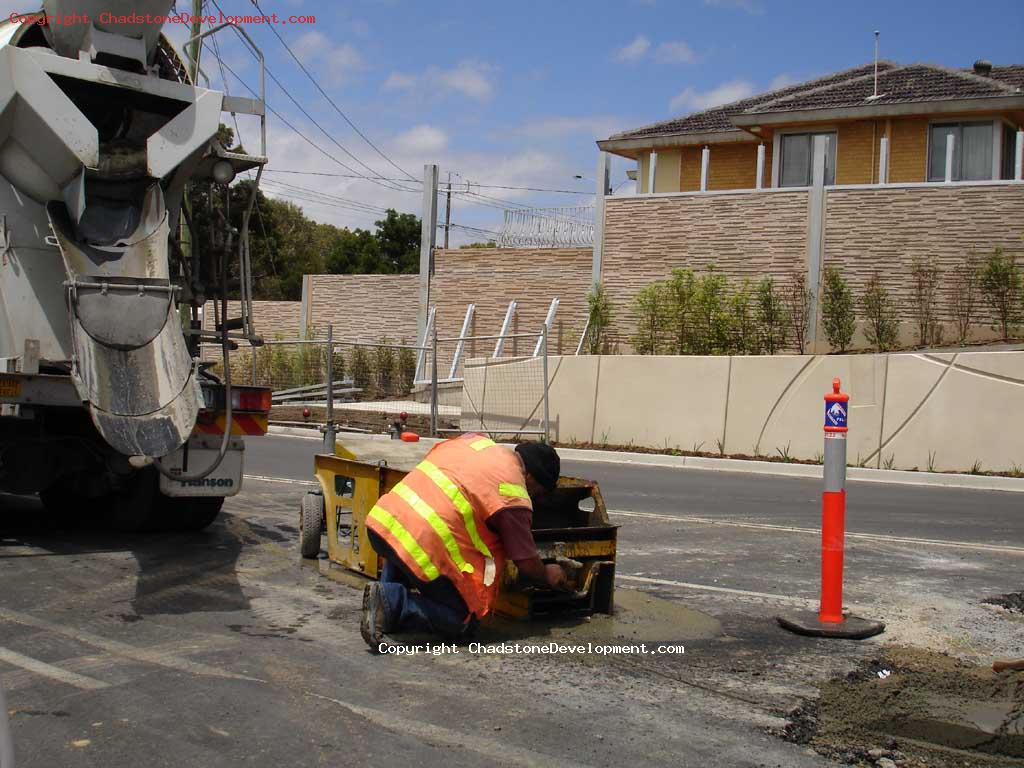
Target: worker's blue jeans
(435, 607)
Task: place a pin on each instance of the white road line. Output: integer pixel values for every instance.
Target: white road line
(501, 752)
(288, 480)
(125, 650)
(879, 537)
(803, 601)
(49, 670)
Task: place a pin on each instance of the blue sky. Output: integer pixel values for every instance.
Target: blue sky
(515, 93)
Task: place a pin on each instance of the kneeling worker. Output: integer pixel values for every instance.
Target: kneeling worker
(446, 530)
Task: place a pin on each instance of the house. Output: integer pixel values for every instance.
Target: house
(874, 124)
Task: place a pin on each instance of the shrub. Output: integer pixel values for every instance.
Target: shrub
(599, 320)
(406, 368)
(650, 305)
(924, 300)
(773, 316)
(384, 363)
(362, 371)
(745, 331)
(797, 302)
(882, 327)
(837, 310)
(1001, 286)
(711, 320)
(681, 288)
(963, 295)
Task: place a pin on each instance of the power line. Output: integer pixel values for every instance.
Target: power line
(327, 196)
(470, 183)
(330, 100)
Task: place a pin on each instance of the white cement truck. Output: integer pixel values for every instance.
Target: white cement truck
(105, 407)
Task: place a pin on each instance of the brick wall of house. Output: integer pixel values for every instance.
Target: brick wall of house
(732, 166)
(364, 307)
(857, 151)
(884, 231)
(689, 171)
(908, 150)
(492, 277)
(744, 236)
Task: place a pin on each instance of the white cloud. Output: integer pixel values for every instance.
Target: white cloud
(781, 81)
(633, 51)
(595, 127)
(675, 52)
(691, 100)
(337, 62)
(424, 139)
(310, 45)
(471, 78)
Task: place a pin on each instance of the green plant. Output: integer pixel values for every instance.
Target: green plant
(773, 316)
(384, 365)
(681, 288)
(720, 444)
(1015, 470)
(931, 461)
(1001, 285)
(711, 320)
(797, 300)
(784, 453)
(650, 305)
(924, 300)
(963, 295)
(837, 311)
(882, 327)
(890, 462)
(745, 331)
(819, 458)
(975, 467)
(698, 446)
(406, 368)
(599, 309)
(362, 370)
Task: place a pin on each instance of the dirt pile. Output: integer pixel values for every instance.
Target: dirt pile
(1011, 601)
(912, 708)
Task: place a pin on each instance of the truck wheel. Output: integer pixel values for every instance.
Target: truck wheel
(130, 509)
(311, 524)
(189, 514)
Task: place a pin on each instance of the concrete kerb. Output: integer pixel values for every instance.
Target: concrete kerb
(856, 474)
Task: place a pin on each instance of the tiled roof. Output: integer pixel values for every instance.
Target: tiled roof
(897, 84)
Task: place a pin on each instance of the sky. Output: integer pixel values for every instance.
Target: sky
(514, 94)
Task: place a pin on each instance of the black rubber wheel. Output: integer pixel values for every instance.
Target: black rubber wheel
(311, 524)
(131, 508)
(188, 513)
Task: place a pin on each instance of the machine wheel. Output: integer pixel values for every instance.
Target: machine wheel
(189, 513)
(311, 524)
(130, 509)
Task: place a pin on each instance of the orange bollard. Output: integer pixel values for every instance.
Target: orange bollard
(829, 620)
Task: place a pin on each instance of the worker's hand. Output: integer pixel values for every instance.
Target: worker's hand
(554, 575)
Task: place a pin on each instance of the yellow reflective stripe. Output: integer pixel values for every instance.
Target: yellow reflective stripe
(451, 490)
(513, 490)
(483, 442)
(406, 539)
(427, 512)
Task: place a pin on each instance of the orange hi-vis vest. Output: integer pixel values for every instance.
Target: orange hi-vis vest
(435, 519)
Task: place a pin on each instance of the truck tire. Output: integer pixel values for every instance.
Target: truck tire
(311, 523)
(131, 508)
(189, 514)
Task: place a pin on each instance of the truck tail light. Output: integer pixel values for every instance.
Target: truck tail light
(250, 399)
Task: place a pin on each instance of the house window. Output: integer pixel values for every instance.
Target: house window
(797, 164)
(1009, 151)
(972, 151)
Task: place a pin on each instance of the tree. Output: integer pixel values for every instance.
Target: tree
(798, 307)
(711, 318)
(1001, 286)
(772, 313)
(599, 308)
(837, 311)
(882, 328)
(398, 242)
(650, 305)
(745, 336)
(963, 295)
(681, 291)
(924, 301)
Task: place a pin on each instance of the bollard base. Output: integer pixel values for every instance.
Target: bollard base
(851, 627)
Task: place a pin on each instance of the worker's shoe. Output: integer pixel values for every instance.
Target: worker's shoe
(374, 622)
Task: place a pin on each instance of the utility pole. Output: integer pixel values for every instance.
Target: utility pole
(448, 211)
(428, 224)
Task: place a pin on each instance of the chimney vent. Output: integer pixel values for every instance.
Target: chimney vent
(983, 67)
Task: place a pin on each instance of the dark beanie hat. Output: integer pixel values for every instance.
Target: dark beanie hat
(542, 462)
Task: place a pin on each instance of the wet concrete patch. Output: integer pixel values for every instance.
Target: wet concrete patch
(916, 708)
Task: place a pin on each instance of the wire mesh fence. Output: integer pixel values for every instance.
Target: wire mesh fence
(367, 386)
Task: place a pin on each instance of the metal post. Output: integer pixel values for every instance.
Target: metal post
(830, 621)
(603, 177)
(883, 160)
(509, 314)
(705, 161)
(815, 237)
(759, 184)
(330, 433)
(433, 386)
(652, 170)
(428, 232)
(1018, 160)
(462, 340)
(421, 355)
(448, 211)
(547, 416)
(254, 369)
(548, 322)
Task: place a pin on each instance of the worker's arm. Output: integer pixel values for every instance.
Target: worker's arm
(513, 527)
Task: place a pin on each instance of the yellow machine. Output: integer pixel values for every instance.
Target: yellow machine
(572, 525)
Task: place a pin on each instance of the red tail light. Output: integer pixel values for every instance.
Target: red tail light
(250, 399)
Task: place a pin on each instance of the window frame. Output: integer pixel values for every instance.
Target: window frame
(958, 150)
(779, 152)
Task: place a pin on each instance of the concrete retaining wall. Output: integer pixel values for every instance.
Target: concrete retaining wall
(944, 411)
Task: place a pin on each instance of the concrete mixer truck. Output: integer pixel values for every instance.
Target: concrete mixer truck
(106, 408)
